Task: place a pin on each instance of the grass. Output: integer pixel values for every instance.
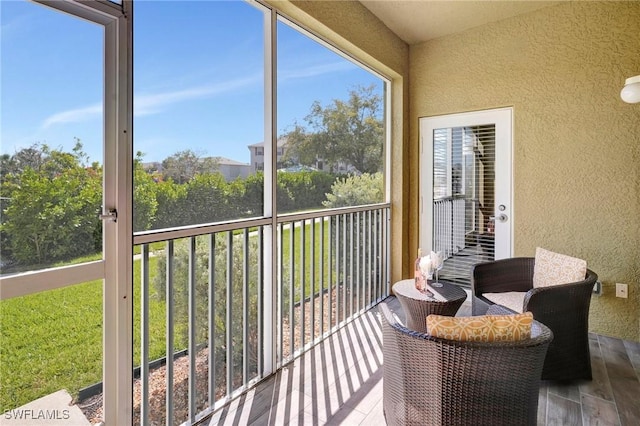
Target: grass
(53, 340)
(297, 243)
(50, 341)
(13, 269)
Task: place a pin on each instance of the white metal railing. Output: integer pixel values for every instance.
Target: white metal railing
(331, 267)
(449, 225)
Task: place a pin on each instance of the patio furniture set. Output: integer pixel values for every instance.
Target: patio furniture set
(529, 323)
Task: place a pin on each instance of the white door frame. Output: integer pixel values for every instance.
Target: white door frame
(503, 119)
(117, 263)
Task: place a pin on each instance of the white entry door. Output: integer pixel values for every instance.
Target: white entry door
(465, 189)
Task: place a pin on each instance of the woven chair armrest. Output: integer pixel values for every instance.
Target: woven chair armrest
(540, 334)
(545, 301)
(392, 319)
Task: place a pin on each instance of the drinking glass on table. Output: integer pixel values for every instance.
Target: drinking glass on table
(426, 269)
(437, 262)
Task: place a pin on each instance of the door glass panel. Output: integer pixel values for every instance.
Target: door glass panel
(52, 136)
(463, 198)
(198, 109)
(50, 199)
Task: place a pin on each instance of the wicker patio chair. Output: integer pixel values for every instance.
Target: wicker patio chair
(434, 381)
(563, 308)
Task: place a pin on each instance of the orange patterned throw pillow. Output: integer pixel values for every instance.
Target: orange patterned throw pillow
(554, 268)
(485, 328)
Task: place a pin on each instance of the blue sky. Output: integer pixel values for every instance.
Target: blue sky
(198, 78)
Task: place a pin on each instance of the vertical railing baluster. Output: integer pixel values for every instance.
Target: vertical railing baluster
(259, 289)
(170, 338)
(229, 313)
(280, 355)
(358, 243)
(245, 310)
(144, 336)
(381, 253)
(365, 265)
(351, 260)
(344, 268)
(362, 255)
(337, 269)
(387, 240)
(369, 257)
(322, 279)
(312, 273)
(212, 319)
(363, 260)
(333, 276)
(192, 329)
(302, 283)
(376, 262)
(292, 250)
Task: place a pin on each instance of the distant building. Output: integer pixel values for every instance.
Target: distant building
(232, 169)
(257, 155)
(152, 166)
(257, 160)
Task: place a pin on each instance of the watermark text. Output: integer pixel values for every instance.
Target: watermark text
(30, 414)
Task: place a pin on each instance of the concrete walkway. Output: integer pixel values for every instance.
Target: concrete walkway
(50, 410)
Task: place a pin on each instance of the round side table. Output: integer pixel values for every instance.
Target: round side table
(418, 305)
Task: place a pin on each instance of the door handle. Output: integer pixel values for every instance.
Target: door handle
(110, 215)
(500, 218)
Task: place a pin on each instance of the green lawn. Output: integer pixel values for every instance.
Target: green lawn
(53, 340)
(286, 254)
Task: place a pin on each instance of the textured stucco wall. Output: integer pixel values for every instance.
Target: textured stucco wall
(349, 26)
(576, 151)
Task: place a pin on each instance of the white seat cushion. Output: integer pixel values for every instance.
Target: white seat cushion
(554, 268)
(513, 300)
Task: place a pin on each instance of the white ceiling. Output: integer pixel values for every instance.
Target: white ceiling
(415, 21)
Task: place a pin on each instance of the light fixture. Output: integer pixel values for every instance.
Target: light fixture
(630, 93)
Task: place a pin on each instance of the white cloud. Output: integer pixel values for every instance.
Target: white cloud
(154, 103)
(73, 115)
(316, 70)
(148, 104)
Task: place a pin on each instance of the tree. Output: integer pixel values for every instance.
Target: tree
(252, 201)
(356, 191)
(53, 204)
(304, 190)
(350, 132)
(169, 197)
(40, 158)
(182, 166)
(52, 219)
(207, 199)
(227, 261)
(145, 203)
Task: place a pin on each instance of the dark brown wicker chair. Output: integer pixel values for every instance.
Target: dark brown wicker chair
(563, 308)
(432, 381)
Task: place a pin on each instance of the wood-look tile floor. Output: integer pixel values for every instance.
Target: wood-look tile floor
(339, 382)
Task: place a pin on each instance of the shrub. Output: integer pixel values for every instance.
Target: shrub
(356, 190)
